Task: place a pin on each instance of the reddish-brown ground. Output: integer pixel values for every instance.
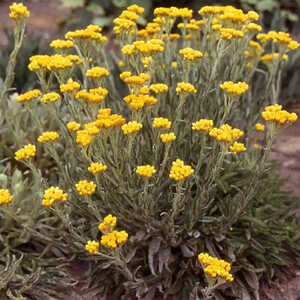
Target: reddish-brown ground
(45, 19)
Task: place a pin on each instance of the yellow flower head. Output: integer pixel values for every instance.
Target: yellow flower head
(137, 80)
(85, 187)
(108, 224)
(92, 247)
(50, 97)
(161, 123)
(83, 138)
(5, 196)
(114, 239)
(215, 267)
(234, 89)
(158, 88)
(92, 96)
(237, 147)
(145, 171)
(73, 126)
(293, 45)
(29, 96)
(18, 12)
(226, 133)
(26, 152)
(191, 54)
(174, 64)
(97, 168)
(275, 114)
(269, 58)
(230, 33)
(70, 86)
(48, 136)
(179, 171)
(203, 125)
(97, 72)
(131, 127)
(61, 44)
(135, 8)
(168, 137)
(259, 127)
(253, 27)
(58, 62)
(54, 195)
(185, 87)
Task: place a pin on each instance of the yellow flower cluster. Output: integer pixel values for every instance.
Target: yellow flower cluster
(293, 45)
(203, 125)
(162, 123)
(138, 102)
(50, 97)
(92, 96)
(107, 120)
(275, 113)
(131, 127)
(18, 12)
(145, 171)
(61, 44)
(26, 152)
(97, 72)
(158, 88)
(259, 127)
(137, 80)
(234, 89)
(108, 224)
(70, 86)
(253, 27)
(85, 187)
(91, 128)
(54, 195)
(190, 54)
(151, 47)
(192, 26)
(226, 133)
(92, 247)
(269, 58)
(125, 23)
(48, 136)
(237, 147)
(92, 32)
(230, 33)
(59, 62)
(185, 87)
(168, 137)
(114, 239)
(52, 62)
(179, 171)
(29, 96)
(173, 12)
(5, 196)
(215, 267)
(97, 168)
(73, 126)
(83, 138)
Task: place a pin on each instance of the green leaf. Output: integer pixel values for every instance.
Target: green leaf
(96, 9)
(73, 3)
(267, 5)
(102, 21)
(120, 3)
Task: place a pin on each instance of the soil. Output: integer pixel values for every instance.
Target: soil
(46, 17)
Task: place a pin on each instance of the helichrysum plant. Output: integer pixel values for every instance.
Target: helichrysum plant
(168, 158)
